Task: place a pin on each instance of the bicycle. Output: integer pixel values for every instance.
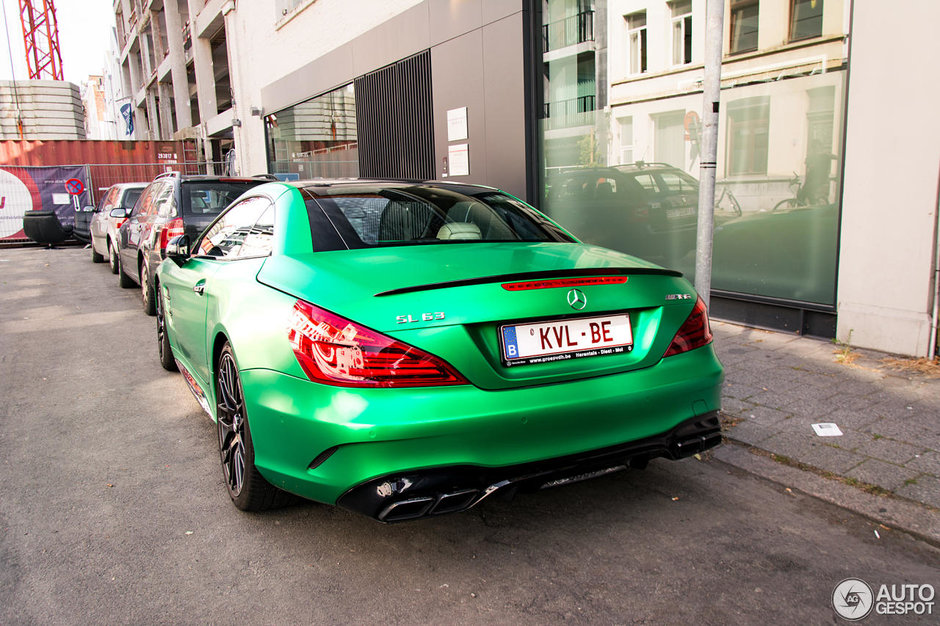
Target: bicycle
(727, 196)
(798, 198)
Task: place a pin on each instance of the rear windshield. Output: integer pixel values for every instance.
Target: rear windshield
(370, 216)
(130, 197)
(208, 197)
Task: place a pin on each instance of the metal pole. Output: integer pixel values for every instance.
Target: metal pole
(711, 85)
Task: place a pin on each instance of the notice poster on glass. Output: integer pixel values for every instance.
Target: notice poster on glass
(458, 157)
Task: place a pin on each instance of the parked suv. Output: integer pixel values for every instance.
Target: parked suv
(118, 199)
(173, 204)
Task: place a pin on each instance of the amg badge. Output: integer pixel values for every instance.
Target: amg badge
(424, 317)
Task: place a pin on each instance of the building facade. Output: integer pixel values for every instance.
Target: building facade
(591, 110)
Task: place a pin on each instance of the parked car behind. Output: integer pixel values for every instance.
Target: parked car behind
(173, 204)
(646, 209)
(103, 228)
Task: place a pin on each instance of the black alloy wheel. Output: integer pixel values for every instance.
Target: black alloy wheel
(146, 291)
(247, 488)
(113, 258)
(163, 341)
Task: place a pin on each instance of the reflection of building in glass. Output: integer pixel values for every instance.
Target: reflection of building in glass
(574, 81)
(316, 138)
(779, 131)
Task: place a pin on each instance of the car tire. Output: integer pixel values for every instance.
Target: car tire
(146, 291)
(123, 279)
(113, 258)
(246, 486)
(163, 340)
(95, 257)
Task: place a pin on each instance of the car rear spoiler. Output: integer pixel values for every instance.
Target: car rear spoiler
(483, 280)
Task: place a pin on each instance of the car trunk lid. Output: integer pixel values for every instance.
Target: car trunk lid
(458, 301)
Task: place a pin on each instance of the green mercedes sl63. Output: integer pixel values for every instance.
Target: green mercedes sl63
(407, 349)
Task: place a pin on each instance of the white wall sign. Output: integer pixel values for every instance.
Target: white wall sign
(458, 157)
(457, 124)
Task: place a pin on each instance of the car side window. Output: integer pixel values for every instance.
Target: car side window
(260, 239)
(145, 205)
(107, 202)
(233, 233)
(164, 204)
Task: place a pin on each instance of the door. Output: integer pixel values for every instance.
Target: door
(137, 226)
(240, 233)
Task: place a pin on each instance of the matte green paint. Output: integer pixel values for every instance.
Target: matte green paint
(505, 416)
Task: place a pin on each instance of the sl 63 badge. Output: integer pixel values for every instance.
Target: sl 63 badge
(424, 317)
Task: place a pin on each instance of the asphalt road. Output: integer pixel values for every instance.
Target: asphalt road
(112, 510)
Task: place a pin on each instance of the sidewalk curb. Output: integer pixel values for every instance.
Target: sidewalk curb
(910, 517)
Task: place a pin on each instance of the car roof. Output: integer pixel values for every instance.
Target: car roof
(317, 187)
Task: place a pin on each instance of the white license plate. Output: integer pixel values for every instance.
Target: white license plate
(679, 212)
(566, 339)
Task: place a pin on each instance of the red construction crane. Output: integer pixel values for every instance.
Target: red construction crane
(41, 37)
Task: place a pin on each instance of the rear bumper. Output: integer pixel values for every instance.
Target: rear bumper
(323, 442)
(405, 496)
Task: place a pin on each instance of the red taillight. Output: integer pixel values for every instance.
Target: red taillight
(694, 332)
(119, 223)
(565, 282)
(335, 351)
(173, 228)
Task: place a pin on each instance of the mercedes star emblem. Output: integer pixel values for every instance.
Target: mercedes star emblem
(577, 299)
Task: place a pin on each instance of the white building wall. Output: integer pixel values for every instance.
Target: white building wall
(264, 47)
(889, 208)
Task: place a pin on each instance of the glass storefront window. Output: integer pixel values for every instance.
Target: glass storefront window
(623, 173)
(316, 138)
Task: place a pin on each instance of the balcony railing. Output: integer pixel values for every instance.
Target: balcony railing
(569, 113)
(568, 32)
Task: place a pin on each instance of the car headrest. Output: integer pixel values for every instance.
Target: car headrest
(459, 230)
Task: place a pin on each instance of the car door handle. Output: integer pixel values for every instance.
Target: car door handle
(200, 287)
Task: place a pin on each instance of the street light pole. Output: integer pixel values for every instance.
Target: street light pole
(711, 86)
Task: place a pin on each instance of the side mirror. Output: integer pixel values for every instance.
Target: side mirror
(90, 209)
(177, 249)
(118, 213)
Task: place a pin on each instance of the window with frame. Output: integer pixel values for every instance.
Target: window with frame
(744, 25)
(626, 140)
(681, 31)
(748, 133)
(245, 230)
(805, 19)
(636, 40)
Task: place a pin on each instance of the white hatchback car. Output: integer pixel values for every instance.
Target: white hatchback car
(104, 226)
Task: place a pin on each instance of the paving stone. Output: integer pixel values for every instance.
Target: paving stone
(889, 450)
(896, 408)
(766, 416)
(807, 449)
(734, 406)
(848, 418)
(926, 489)
(750, 432)
(886, 475)
(741, 391)
(908, 431)
(927, 463)
(772, 399)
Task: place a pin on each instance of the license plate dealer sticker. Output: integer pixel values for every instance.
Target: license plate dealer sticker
(561, 340)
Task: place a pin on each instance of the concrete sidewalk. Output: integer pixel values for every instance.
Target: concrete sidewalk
(778, 385)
